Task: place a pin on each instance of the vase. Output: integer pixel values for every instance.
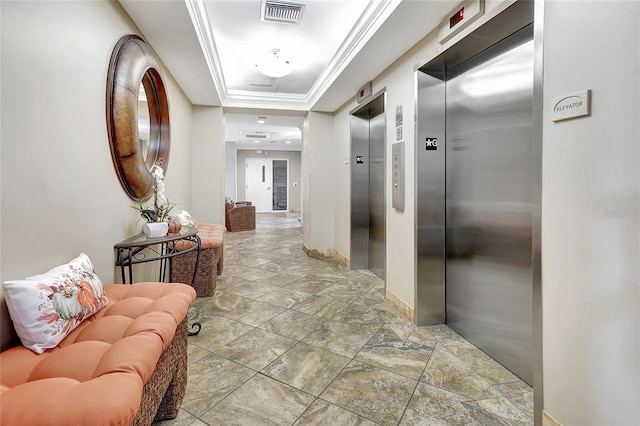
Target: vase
(155, 229)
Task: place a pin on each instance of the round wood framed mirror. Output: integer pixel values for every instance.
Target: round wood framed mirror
(137, 116)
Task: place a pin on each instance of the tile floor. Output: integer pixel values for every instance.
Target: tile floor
(291, 340)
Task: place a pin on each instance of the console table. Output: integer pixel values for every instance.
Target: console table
(132, 252)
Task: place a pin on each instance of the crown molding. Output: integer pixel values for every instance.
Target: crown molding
(200, 19)
(369, 22)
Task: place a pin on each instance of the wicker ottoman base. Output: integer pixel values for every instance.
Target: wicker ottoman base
(164, 391)
(210, 265)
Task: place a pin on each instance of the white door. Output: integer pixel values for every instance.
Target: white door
(258, 183)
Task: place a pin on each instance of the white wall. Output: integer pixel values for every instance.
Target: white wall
(591, 207)
(208, 162)
(231, 170)
(60, 192)
(319, 181)
(295, 163)
(591, 215)
(342, 174)
(398, 80)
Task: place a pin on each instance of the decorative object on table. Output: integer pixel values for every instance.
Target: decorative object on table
(157, 214)
(155, 229)
(185, 218)
(174, 226)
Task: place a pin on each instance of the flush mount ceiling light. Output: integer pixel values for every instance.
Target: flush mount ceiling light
(273, 65)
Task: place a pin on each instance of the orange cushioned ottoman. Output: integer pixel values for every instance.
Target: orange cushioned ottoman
(124, 365)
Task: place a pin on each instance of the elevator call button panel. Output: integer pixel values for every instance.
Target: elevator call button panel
(397, 173)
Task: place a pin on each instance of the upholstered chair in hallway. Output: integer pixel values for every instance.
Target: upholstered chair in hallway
(240, 216)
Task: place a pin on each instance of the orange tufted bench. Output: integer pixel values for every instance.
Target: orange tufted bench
(124, 365)
(211, 260)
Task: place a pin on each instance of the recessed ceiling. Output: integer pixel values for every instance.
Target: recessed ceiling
(326, 37)
(270, 130)
(211, 48)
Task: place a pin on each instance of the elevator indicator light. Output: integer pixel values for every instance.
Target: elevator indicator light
(456, 18)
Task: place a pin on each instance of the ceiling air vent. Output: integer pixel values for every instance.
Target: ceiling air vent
(264, 135)
(282, 11)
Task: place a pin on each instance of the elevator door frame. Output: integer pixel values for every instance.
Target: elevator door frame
(360, 160)
(430, 237)
(515, 22)
(434, 225)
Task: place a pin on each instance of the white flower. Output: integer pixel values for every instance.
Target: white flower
(161, 206)
(157, 173)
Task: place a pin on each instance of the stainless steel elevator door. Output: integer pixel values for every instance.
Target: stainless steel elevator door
(376, 195)
(489, 206)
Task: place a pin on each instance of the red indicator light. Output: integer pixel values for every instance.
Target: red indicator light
(456, 18)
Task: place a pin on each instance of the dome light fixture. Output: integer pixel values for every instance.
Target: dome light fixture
(273, 65)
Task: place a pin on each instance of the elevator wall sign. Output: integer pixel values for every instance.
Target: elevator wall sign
(431, 144)
(571, 106)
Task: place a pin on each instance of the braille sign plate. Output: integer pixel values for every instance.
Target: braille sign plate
(431, 144)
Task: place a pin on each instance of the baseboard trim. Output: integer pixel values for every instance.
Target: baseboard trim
(327, 254)
(319, 253)
(400, 305)
(548, 420)
(343, 260)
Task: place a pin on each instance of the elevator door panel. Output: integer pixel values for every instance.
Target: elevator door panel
(489, 205)
(376, 196)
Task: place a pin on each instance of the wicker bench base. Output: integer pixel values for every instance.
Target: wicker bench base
(211, 264)
(164, 391)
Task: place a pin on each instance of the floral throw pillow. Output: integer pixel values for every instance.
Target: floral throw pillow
(45, 308)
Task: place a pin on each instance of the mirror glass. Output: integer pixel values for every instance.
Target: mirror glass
(144, 123)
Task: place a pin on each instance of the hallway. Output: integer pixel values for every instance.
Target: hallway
(288, 339)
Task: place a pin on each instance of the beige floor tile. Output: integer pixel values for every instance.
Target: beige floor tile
(323, 413)
(481, 363)
(498, 411)
(433, 406)
(217, 332)
(307, 368)
(446, 371)
(285, 297)
(371, 392)
(283, 328)
(293, 324)
(210, 380)
(252, 289)
(386, 350)
(260, 401)
(256, 349)
(322, 306)
(340, 338)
